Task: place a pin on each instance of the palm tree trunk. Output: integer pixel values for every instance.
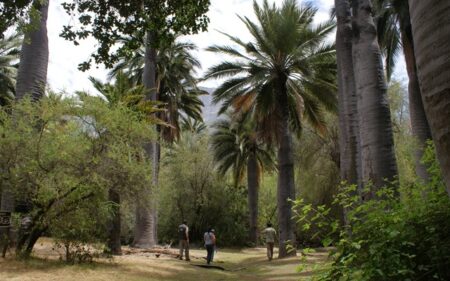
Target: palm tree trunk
(419, 122)
(286, 184)
(430, 23)
(114, 243)
(377, 143)
(32, 74)
(253, 188)
(146, 211)
(348, 111)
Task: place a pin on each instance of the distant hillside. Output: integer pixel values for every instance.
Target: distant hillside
(209, 110)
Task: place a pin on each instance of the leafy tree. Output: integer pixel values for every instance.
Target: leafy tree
(12, 12)
(111, 21)
(123, 93)
(238, 148)
(430, 27)
(286, 74)
(63, 157)
(9, 57)
(199, 194)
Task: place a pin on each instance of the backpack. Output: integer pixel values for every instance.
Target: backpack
(182, 232)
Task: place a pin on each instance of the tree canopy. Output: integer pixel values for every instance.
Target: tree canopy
(110, 21)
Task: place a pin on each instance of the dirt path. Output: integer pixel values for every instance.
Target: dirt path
(242, 265)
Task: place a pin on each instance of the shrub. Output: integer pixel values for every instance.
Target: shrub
(389, 238)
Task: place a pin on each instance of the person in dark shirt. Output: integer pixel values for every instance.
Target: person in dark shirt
(183, 233)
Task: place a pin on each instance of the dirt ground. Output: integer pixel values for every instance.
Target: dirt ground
(242, 265)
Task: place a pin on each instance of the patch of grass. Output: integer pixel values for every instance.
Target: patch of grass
(242, 265)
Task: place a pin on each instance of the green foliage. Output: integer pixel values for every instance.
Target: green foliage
(9, 57)
(109, 22)
(387, 238)
(286, 69)
(199, 195)
(233, 141)
(62, 156)
(317, 160)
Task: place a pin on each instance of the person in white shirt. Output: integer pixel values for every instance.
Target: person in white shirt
(270, 235)
(210, 242)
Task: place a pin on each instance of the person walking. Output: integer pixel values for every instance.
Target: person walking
(183, 233)
(270, 235)
(210, 242)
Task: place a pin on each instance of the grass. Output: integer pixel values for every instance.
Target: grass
(242, 265)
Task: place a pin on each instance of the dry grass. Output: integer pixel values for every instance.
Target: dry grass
(243, 265)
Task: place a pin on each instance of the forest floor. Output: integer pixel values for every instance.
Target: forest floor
(243, 265)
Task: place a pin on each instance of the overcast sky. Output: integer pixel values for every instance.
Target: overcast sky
(65, 57)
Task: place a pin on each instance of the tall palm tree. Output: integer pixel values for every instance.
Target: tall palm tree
(286, 74)
(174, 85)
(9, 58)
(394, 33)
(376, 137)
(431, 29)
(238, 148)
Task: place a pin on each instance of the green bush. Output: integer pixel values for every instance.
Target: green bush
(192, 189)
(389, 238)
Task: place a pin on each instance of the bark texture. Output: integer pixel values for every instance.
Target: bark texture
(419, 122)
(430, 22)
(348, 111)
(114, 243)
(146, 211)
(377, 143)
(32, 74)
(286, 184)
(253, 189)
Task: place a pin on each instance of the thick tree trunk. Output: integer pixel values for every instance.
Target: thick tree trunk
(114, 243)
(430, 22)
(348, 111)
(32, 74)
(419, 122)
(377, 143)
(286, 184)
(146, 211)
(253, 189)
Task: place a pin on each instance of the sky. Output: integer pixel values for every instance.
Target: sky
(63, 74)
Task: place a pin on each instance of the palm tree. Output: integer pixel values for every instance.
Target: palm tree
(32, 75)
(394, 33)
(174, 86)
(431, 29)
(376, 138)
(9, 58)
(238, 148)
(287, 73)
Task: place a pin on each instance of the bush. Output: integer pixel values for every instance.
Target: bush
(388, 238)
(199, 195)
